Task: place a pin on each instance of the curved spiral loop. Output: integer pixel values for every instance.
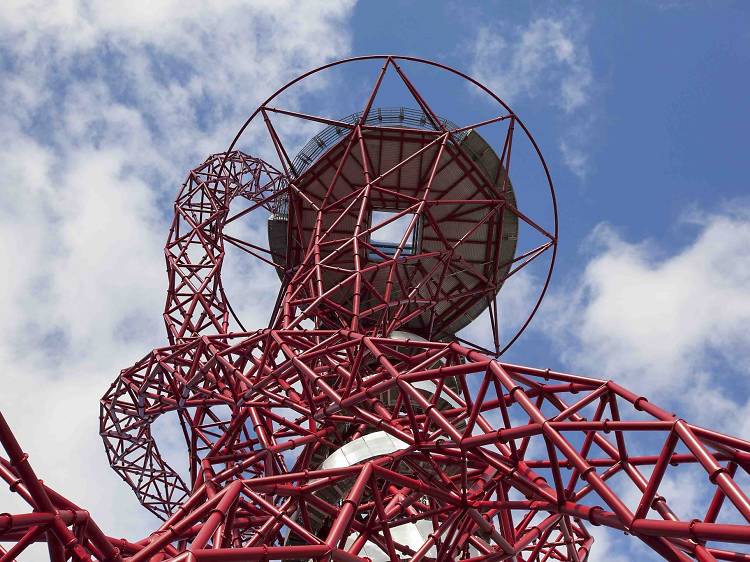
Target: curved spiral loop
(196, 306)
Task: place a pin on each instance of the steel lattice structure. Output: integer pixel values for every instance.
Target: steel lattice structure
(357, 425)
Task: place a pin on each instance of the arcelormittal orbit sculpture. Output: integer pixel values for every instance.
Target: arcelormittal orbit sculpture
(361, 424)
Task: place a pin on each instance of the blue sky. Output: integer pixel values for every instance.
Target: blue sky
(640, 110)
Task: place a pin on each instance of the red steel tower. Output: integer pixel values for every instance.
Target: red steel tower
(361, 424)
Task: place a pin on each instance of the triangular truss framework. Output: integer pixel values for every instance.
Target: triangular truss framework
(328, 436)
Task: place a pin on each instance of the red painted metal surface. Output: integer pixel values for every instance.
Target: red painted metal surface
(466, 457)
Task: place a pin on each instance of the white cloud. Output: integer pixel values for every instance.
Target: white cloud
(547, 60)
(103, 109)
(183, 67)
(610, 545)
(574, 153)
(515, 300)
(672, 326)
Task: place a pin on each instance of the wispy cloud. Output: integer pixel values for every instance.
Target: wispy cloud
(574, 146)
(548, 59)
(103, 109)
